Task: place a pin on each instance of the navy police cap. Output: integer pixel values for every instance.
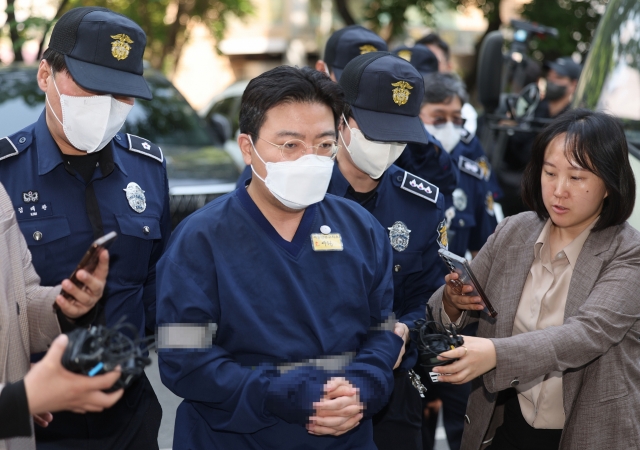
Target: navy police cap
(565, 67)
(385, 93)
(420, 57)
(349, 42)
(103, 51)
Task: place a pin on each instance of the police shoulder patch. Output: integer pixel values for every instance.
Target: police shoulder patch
(466, 136)
(14, 144)
(469, 166)
(420, 187)
(145, 147)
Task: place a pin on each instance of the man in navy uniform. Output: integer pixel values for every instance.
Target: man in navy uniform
(275, 301)
(72, 178)
(470, 221)
(384, 94)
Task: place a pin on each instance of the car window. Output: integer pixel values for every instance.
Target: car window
(224, 106)
(21, 100)
(168, 118)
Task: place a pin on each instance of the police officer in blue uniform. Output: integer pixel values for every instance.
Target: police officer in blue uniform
(470, 221)
(384, 94)
(73, 178)
(275, 301)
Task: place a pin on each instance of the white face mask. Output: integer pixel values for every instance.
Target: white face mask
(448, 135)
(300, 183)
(372, 157)
(90, 122)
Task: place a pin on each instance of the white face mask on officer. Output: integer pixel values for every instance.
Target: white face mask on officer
(89, 123)
(299, 183)
(448, 135)
(372, 157)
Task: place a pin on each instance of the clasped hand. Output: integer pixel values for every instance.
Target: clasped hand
(338, 411)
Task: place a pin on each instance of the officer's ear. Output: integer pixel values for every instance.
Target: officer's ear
(44, 75)
(244, 142)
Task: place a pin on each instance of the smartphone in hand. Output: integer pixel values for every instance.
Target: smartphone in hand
(89, 261)
(460, 265)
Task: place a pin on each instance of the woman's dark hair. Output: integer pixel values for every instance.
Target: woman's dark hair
(596, 142)
(55, 60)
(286, 84)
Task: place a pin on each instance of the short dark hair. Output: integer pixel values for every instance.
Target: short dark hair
(442, 87)
(286, 84)
(55, 60)
(596, 142)
(435, 39)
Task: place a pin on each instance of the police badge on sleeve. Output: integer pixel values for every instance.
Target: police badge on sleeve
(135, 197)
(443, 240)
(399, 236)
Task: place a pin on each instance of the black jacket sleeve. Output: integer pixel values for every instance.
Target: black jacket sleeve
(15, 420)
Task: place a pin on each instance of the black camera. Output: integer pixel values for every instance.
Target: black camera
(433, 338)
(99, 350)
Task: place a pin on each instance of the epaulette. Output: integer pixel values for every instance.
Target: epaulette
(14, 144)
(466, 136)
(145, 147)
(420, 187)
(469, 166)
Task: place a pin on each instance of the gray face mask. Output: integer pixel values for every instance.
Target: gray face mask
(555, 91)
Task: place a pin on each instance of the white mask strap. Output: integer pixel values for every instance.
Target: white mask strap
(49, 103)
(259, 157)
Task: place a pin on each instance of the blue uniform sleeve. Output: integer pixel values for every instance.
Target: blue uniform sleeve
(229, 396)
(371, 371)
(149, 290)
(485, 223)
(431, 164)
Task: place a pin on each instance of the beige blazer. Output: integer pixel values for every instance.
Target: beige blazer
(20, 290)
(597, 348)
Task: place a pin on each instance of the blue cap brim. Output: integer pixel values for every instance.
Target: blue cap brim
(93, 77)
(386, 127)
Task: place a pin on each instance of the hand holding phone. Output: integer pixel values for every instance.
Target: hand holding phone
(89, 262)
(459, 265)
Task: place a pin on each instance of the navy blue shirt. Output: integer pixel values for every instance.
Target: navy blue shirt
(469, 212)
(275, 302)
(51, 208)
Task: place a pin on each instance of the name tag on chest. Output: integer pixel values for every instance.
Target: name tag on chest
(326, 242)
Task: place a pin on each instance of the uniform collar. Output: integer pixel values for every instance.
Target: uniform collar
(340, 185)
(49, 156)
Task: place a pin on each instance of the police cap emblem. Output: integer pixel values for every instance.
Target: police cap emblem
(442, 240)
(399, 236)
(405, 54)
(136, 198)
(401, 92)
(367, 48)
(120, 47)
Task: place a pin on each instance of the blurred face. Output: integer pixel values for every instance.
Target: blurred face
(444, 65)
(572, 196)
(564, 81)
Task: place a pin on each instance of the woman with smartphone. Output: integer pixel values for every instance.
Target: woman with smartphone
(558, 366)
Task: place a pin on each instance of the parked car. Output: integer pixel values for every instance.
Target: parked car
(198, 169)
(222, 112)
(610, 80)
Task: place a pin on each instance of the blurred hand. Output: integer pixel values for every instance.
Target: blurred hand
(85, 298)
(455, 300)
(43, 419)
(339, 410)
(50, 387)
(478, 359)
(401, 330)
